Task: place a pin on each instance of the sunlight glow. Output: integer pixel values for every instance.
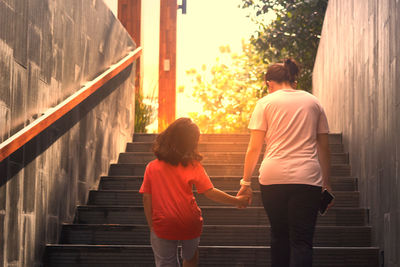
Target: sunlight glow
(207, 25)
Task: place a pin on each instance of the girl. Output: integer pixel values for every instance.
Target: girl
(170, 207)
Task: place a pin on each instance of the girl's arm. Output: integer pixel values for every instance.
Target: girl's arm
(221, 197)
(148, 209)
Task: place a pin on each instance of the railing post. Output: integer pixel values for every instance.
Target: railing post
(167, 64)
(129, 13)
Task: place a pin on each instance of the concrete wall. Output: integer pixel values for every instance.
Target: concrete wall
(48, 50)
(356, 77)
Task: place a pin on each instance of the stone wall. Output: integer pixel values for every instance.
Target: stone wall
(356, 77)
(48, 50)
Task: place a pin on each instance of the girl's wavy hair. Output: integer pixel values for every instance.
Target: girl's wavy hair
(178, 143)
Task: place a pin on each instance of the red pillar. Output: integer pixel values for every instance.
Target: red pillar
(129, 13)
(167, 69)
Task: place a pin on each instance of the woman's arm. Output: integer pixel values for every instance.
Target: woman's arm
(324, 157)
(148, 211)
(221, 197)
(253, 152)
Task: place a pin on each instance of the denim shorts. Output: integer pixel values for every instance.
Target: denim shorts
(166, 251)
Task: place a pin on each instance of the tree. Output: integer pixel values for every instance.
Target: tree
(228, 90)
(295, 31)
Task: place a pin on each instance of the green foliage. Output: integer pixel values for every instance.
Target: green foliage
(144, 114)
(295, 31)
(228, 90)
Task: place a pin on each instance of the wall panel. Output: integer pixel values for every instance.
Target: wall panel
(48, 50)
(356, 77)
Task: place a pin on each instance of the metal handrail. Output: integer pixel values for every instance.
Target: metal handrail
(23, 136)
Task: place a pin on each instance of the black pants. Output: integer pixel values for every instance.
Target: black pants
(292, 211)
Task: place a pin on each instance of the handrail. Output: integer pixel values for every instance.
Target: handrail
(53, 114)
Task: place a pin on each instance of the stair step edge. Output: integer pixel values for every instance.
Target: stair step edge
(242, 247)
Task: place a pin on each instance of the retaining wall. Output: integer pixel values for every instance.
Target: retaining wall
(48, 50)
(356, 77)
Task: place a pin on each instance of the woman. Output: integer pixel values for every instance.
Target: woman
(296, 163)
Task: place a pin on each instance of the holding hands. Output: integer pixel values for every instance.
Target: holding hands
(245, 195)
(243, 201)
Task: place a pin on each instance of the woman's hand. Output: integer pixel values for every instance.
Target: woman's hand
(329, 189)
(244, 201)
(247, 192)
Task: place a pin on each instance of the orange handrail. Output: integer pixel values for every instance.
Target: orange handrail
(19, 139)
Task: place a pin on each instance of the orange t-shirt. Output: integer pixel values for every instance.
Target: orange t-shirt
(291, 119)
(175, 213)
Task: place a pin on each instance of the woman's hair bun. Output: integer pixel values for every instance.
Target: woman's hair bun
(288, 71)
(293, 68)
(288, 61)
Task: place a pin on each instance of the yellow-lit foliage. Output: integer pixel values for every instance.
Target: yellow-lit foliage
(228, 90)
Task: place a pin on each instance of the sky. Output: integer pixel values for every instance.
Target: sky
(207, 25)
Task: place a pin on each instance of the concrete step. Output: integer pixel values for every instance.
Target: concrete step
(213, 235)
(134, 198)
(214, 147)
(133, 169)
(213, 215)
(221, 256)
(334, 138)
(221, 182)
(111, 230)
(215, 157)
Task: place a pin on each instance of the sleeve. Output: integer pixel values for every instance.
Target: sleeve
(323, 126)
(258, 120)
(146, 185)
(202, 180)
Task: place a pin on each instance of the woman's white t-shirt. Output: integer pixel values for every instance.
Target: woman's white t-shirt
(291, 119)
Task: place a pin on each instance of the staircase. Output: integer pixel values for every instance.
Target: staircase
(111, 229)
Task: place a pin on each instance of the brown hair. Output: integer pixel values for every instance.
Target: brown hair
(178, 143)
(287, 71)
